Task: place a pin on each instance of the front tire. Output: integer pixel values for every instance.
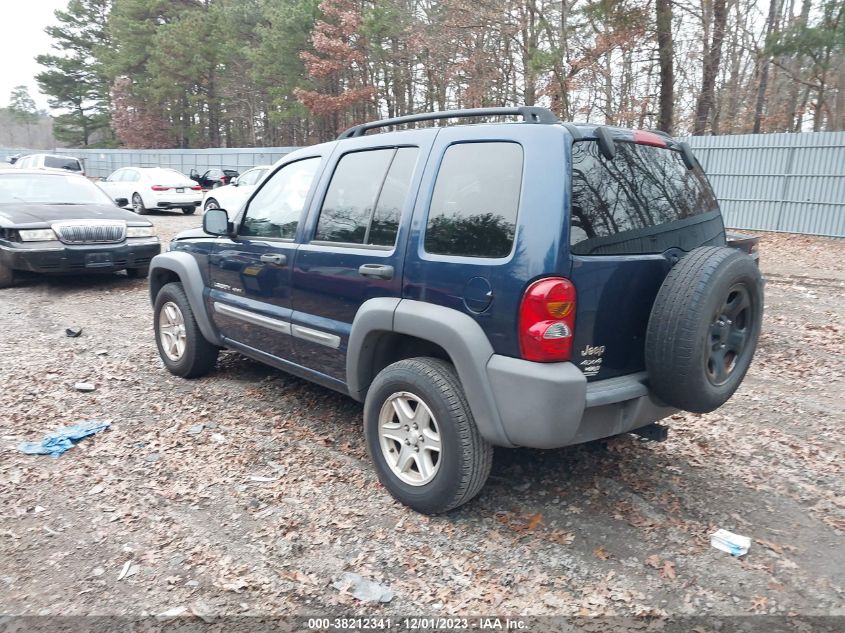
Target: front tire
(138, 204)
(138, 273)
(7, 276)
(211, 203)
(188, 210)
(181, 345)
(421, 436)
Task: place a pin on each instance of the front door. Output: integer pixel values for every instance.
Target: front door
(353, 248)
(250, 274)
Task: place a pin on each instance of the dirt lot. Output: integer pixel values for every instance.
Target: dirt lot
(274, 498)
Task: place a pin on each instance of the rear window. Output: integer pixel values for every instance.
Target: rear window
(56, 162)
(643, 201)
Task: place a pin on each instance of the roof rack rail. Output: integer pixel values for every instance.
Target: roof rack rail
(531, 114)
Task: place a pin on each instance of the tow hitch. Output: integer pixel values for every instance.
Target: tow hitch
(653, 432)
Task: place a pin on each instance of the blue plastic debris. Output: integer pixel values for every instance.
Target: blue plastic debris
(64, 438)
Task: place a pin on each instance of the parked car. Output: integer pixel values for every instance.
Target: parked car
(214, 178)
(233, 195)
(533, 284)
(50, 161)
(149, 188)
(54, 222)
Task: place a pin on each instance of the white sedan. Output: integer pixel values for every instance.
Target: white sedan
(147, 188)
(232, 197)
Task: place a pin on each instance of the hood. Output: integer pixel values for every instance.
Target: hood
(190, 234)
(14, 214)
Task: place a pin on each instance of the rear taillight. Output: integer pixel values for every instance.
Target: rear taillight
(547, 320)
(160, 188)
(222, 180)
(196, 188)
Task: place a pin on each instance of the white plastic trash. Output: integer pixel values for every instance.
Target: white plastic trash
(733, 544)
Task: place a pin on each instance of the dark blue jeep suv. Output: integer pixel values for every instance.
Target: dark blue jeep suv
(534, 283)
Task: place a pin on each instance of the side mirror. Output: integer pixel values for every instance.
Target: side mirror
(234, 182)
(122, 202)
(216, 222)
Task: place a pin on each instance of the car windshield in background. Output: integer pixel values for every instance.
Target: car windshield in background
(56, 162)
(50, 189)
(641, 201)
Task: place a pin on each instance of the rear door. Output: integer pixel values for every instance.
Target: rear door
(250, 274)
(354, 243)
(631, 217)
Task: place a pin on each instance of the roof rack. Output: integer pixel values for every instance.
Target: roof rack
(531, 114)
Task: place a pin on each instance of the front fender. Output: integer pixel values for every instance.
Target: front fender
(184, 267)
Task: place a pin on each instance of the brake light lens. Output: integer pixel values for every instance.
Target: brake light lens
(160, 188)
(643, 137)
(196, 188)
(547, 320)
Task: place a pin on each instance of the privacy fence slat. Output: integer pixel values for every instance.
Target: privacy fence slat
(765, 182)
(778, 182)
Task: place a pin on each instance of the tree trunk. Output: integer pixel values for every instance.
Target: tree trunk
(667, 68)
(712, 60)
(764, 68)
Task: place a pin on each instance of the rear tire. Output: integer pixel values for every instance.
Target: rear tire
(188, 210)
(211, 203)
(194, 356)
(703, 328)
(138, 204)
(416, 408)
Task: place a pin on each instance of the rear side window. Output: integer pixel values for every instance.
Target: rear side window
(475, 200)
(54, 162)
(642, 201)
(365, 197)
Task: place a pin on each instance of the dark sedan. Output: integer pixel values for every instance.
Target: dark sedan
(214, 178)
(53, 222)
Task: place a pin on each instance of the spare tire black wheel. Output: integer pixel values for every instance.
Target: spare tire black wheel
(703, 328)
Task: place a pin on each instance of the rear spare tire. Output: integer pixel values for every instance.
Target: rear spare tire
(703, 328)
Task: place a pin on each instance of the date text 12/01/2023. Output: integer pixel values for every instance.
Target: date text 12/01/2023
(416, 624)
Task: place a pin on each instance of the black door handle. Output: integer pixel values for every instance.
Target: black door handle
(274, 258)
(376, 271)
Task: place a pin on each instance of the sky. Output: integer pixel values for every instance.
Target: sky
(22, 37)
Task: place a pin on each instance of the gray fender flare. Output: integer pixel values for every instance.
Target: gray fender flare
(184, 266)
(456, 332)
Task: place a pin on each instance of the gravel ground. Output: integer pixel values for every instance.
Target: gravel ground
(263, 507)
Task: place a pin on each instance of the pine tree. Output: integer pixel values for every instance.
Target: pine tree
(74, 78)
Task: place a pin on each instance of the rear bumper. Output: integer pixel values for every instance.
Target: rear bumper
(55, 257)
(173, 204)
(549, 405)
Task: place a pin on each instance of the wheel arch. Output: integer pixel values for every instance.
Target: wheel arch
(386, 330)
(182, 267)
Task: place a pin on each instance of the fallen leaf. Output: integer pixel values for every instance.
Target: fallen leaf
(759, 603)
(653, 561)
(668, 570)
(601, 553)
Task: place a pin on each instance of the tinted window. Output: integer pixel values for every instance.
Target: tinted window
(276, 208)
(475, 200)
(623, 205)
(394, 192)
(55, 162)
(351, 197)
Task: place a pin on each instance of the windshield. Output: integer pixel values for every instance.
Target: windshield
(644, 200)
(50, 189)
